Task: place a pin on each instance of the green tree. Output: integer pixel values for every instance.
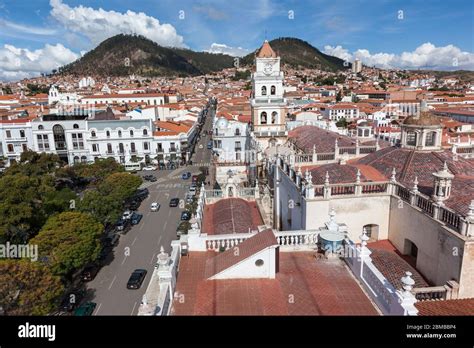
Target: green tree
(21, 207)
(69, 241)
(98, 170)
(120, 185)
(104, 208)
(28, 288)
(342, 123)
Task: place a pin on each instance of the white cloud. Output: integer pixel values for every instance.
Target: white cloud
(98, 25)
(425, 56)
(231, 51)
(17, 63)
(25, 28)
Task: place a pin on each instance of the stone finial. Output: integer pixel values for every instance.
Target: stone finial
(415, 184)
(358, 176)
(326, 180)
(471, 210)
(445, 167)
(408, 282)
(332, 215)
(393, 178)
(306, 175)
(364, 237)
(314, 148)
(336, 144)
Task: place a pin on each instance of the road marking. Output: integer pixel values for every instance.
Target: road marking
(98, 308)
(134, 240)
(112, 283)
(125, 258)
(152, 257)
(159, 240)
(135, 304)
(141, 227)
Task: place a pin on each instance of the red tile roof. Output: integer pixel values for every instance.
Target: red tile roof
(409, 164)
(305, 137)
(246, 249)
(447, 307)
(231, 215)
(303, 286)
(266, 51)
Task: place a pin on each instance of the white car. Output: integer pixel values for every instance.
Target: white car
(149, 168)
(155, 206)
(127, 215)
(200, 146)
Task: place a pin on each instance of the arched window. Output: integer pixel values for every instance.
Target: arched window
(274, 117)
(263, 118)
(121, 148)
(237, 131)
(76, 159)
(132, 147)
(264, 90)
(131, 133)
(93, 134)
(109, 148)
(430, 139)
(40, 127)
(59, 137)
(411, 138)
(83, 159)
(273, 90)
(120, 133)
(145, 132)
(107, 134)
(75, 126)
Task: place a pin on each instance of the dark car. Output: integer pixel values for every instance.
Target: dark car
(186, 175)
(89, 273)
(153, 179)
(141, 194)
(147, 177)
(72, 300)
(136, 279)
(85, 309)
(122, 225)
(195, 178)
(182, 228)
(209, 145)
(185, 216)
(174, 202)
(134, 205)
(135, 219)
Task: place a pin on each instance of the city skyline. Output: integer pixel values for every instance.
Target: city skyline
(41, 36)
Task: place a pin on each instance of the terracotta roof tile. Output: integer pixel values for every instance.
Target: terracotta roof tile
(447, 307)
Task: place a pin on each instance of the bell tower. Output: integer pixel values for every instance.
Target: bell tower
(268, 102)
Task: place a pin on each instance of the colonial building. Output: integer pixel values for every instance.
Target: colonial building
(417, 196)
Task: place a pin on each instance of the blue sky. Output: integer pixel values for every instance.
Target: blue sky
(375, 31)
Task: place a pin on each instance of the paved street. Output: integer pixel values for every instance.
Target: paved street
(140, 246)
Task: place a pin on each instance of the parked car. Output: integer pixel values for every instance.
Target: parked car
(135, 219)
(189, 198)
(174, 202)
(113, 239)
(134, 205)
(155, 206)
(149, 168)
(209, 145)
(153, 179)
(72, 300)
(136, 279)
(122, 225)
(185, 216)
(147, 177)
(126, 215)
(85, 309)
(200, 146)
(89, 273)
(186, 175)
